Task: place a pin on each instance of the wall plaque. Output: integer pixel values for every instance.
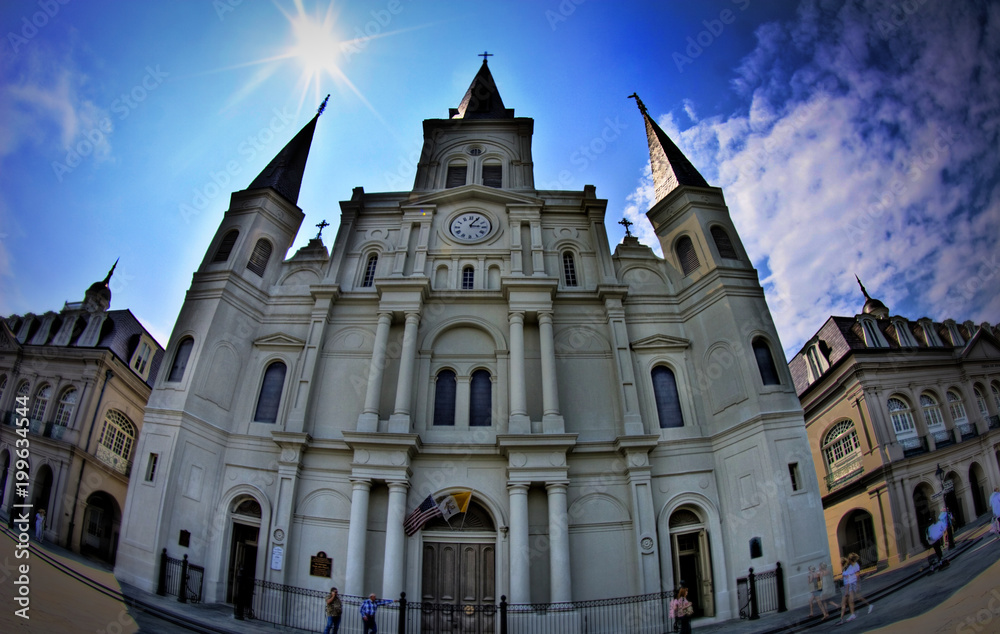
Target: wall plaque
(320, 565)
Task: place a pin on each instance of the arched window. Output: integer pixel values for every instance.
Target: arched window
(723, 243)
(180, 359)
(872, 338)
(457, 173)
(41, 400)
(3, 388)
(226, 246)
(493, 174)
(956, 407)
(668, 403)
(468, 278)
(768, 373)
(902, 417)
(981, 402)
(480, 399)
(444, 398)
(840, 445)
(117, 436)
(686, 255)
(370, 267)
(932, 411)
(270, 393)
(66, 406)
(569, 269)
(996, 395)
(22, 390)
(258, 259)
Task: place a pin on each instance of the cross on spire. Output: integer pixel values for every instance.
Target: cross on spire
(638, 102)
(322, 225)
(322, 106)
(625, 222)
(862, 286)
(484, 55)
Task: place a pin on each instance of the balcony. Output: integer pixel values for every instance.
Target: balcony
(845, 472)
(913, 446)
(968, 430)
(993, 422)
(113, 460)
(942, 438)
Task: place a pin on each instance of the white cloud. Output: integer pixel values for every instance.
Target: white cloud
(858, 153)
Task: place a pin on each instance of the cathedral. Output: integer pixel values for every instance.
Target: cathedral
(619, 418)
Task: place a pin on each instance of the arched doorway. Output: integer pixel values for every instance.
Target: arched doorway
(42, 489)
(924, 510)
(951, 499)
(857, 535)
(244, 516)
(459, 568)
(692, 558)
(980, 488)
(101, 519)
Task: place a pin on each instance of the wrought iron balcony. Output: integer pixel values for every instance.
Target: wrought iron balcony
(844, 472)
(943, 438)
(968, 430)
(913, 446)
(113, 460)
(993, 422)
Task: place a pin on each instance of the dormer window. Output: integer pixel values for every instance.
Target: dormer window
(903, 334)
(141, 358)
(818, 363)
(873, 336)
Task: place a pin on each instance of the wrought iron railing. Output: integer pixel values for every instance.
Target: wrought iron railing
(180, 579)
(913, 446)
(943, 438)
(113, 460)
(845, 472)
(759, 593)
(993, 422)
(968, 430)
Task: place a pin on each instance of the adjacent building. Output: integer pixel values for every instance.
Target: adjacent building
(83, 374)
(618, 416)
(902, 417)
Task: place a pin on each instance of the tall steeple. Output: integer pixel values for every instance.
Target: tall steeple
(284, 172)
(671, 169)
(482, 99)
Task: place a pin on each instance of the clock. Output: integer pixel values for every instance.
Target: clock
(470, 226)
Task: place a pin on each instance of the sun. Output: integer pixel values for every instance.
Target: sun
(316, 48)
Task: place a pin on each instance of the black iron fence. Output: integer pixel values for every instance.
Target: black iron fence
(291, 606)
(760, 593)
(180, 579)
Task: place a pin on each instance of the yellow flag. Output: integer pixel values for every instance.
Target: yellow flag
(454, 504)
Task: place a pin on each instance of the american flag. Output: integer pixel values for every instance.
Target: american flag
(414, 521)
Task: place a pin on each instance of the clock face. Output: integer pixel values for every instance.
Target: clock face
(470, 226)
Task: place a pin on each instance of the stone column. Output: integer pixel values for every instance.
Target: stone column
(399, 422)
(519, 422)
(392, 569)
(520, 573)
(560, 588)
(368, 421)
(552, 421)
(910, 517)
(357, 535)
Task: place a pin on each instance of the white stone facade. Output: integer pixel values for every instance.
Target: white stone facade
(531, 340)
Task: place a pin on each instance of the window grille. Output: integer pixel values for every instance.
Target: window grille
(687, 256)
(724, 244)
(456, 175)
(493, 175)
(569, 269)
(258, 259)
(226, 246)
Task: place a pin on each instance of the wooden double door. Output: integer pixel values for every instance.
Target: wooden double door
(459, 588)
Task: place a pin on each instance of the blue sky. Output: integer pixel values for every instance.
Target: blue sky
(848, 137)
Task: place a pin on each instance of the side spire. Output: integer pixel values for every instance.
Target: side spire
(284, 173)
(482, 99)
(862, 286)
(671, 169)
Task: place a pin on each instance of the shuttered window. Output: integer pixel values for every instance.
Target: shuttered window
(456, 175)
(444, 398)
(493, 175)
(724, 244)
(270, 393)
(258, 259)
(226, 246)
(687, 255)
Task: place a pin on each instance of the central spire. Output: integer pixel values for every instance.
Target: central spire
(671, 169)
(482, 99)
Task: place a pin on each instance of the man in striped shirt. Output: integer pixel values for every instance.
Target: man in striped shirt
(368, 608)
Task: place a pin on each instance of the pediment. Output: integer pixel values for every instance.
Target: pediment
(473, 192)
(279, 340)
(661, 342)
(8, 343)
(983, 346)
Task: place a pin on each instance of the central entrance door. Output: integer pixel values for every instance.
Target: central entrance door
(692, 559)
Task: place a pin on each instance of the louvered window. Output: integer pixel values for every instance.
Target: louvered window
(768, 373)
(258, 259)
(493, 175)
(668, 403)
(468, 278)
(444, 398)
(369, 278)
(226, 246)
(569, 269)
(180, 359)
(270, 393)
(724, 244)
(456, 175)
(687, 255)
(480, 399)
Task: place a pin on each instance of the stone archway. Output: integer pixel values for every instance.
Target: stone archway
(692, 557)
(953, 501)
(856, 534)
(980, 489)
(101, 519)
(924, 509)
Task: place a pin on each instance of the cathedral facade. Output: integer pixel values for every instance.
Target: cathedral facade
(618, 417)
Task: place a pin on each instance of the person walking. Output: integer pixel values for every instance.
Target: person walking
(368, 608)
(681, 610)
(935, 536)
(815, 580)
(334, 610)
(852, 573)
(995, 505)
(39, 524)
